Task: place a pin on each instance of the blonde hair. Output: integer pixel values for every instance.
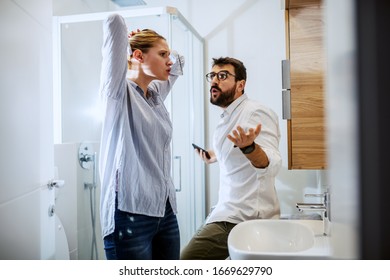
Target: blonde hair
(143, 41)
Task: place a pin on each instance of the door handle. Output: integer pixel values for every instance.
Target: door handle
(286, 104)
(178, 189)
(286, 84)
(55, 184)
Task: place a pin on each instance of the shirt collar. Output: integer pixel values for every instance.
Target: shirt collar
(229, 110)
(136, 87)
(152, 93)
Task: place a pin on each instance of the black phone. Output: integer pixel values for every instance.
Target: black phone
(201, 149)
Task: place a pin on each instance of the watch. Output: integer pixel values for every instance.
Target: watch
(248, 149)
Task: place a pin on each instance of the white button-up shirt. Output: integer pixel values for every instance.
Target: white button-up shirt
(246, 192)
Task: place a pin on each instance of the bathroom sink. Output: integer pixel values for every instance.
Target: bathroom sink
(278, 239)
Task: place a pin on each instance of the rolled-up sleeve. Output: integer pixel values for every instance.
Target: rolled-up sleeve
(164, 87)
(268, 140)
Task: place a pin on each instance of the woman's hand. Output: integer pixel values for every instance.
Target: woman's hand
(133, 32)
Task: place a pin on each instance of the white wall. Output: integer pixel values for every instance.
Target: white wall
(26, 142)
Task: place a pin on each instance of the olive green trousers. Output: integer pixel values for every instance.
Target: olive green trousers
(209, 243)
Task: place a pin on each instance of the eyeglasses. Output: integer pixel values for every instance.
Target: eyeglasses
(221, 75)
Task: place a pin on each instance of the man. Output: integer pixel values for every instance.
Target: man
(246, 145)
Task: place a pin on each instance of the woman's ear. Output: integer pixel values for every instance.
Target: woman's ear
(138, 55)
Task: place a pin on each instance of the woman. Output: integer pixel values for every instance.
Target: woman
(138, 200)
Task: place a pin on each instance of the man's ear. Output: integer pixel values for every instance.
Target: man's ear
(138, 55)
(241, 85)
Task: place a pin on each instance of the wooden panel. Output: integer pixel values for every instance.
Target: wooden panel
(293, 4)
(306, 128)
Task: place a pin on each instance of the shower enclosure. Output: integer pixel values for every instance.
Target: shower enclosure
(77, 119)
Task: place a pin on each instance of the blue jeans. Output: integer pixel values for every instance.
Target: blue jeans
(140, 237)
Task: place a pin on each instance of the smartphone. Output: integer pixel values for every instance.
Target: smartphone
(201, 149)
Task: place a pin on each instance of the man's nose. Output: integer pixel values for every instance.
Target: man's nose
(214, 81)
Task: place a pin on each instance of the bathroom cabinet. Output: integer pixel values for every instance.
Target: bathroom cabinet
(303, 88)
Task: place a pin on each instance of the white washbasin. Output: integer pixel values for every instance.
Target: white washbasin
(278, 239)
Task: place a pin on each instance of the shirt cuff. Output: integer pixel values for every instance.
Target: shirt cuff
(178, 64)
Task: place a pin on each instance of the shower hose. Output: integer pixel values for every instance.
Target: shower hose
(92, 200)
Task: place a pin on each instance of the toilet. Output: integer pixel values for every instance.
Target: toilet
(62, 246)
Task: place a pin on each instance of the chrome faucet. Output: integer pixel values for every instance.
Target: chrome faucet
(320, 207)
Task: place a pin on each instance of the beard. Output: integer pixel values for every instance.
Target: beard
(225, 98)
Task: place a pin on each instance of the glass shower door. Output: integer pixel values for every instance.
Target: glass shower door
(188, 127)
